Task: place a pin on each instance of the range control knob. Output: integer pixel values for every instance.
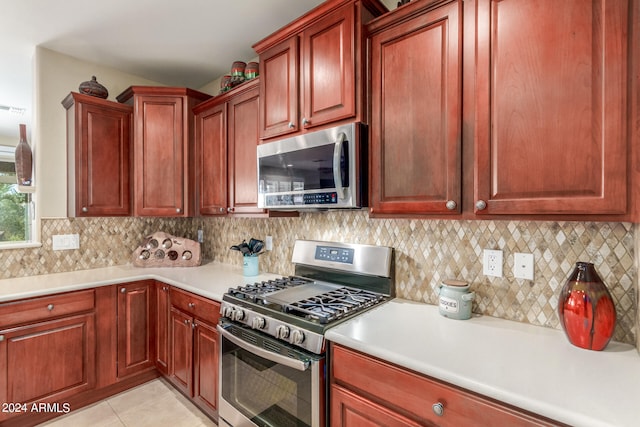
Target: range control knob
(238, 315)
(282, 332)
(227, 312)
(257, 322)
(297, 337)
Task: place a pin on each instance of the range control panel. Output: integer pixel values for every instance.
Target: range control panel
(329, 253)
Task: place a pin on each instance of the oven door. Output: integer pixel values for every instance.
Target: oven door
(266, 383)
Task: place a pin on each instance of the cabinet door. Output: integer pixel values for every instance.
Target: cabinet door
(328, 69)
(279, 89)
(159, 156)
(416, 117)
(244, 131)
(211, 149)
(135, 352)
(551, 107)
(47, 361)
(102, 160)
(205, 367)
(162, 327)
(350, 410)
(181, 347)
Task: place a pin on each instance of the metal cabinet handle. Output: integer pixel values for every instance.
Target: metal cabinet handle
(305, 121)
(193, 325)
(165, 288)
(50, 307)
(123, 290)
(85, 209)
(438, 409)
(229, 209)
(451, 205)
(178, 210)
(191, 305)
(481, 204)
(1, 338)
(186, 322)
(291, 125)
(221, 209)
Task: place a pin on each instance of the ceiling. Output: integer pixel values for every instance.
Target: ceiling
(176, 43)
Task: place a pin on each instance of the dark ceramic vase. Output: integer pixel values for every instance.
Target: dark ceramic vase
(23, 159)
(93, 88)
(586, 309)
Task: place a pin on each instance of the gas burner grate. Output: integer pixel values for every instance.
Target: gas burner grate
(255, 291)
(334, 304)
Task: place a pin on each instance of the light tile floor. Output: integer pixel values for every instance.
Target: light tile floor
(154, 404)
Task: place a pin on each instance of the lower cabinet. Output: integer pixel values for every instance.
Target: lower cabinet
(135, 320)
(369, 392)
(47, 350)
(194, 349)
(162, 327)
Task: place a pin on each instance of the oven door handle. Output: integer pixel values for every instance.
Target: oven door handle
(274, 357)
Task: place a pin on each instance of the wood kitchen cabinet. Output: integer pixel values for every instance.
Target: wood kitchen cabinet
(312, 72)
(551, 107)
(369, 392)
(416, 95)
(163, 153)
(162, 324)
(227, 129)
(136, 315)
(47, 349)
(99, 134)
(194, 348)
(480, 111)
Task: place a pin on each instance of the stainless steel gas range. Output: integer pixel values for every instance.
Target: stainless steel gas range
(272, 333)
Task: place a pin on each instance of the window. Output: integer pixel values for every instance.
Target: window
(16, 206)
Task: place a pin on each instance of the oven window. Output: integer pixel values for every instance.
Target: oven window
(267, 393)
(305, 169)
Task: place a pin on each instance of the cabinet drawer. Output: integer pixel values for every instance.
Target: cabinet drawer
(36, 309)
(415, 395)
(196, 305)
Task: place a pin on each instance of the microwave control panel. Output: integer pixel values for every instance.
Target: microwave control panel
(328, 198)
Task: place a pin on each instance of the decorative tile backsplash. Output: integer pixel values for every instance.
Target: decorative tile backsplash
(426, 252)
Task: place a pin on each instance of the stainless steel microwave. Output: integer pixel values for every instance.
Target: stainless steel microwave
(325, 169)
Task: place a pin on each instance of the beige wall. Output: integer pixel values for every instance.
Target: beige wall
(55, 76)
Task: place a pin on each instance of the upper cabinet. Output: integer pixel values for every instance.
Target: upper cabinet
(313, 71)
(416, 112)
(504, 108)
(98, 134)
(551, 107)
(163, 153)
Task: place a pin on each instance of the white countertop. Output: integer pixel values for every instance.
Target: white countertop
(531, 367)
(210, 280)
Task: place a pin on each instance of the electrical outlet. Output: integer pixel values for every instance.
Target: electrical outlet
(65, 241)
(492, 262)
(200, 236)
(268, 243)
(523, 266)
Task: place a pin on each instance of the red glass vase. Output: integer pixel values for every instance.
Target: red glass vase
(586, 309)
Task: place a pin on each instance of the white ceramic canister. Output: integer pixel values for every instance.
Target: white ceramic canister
(455, 300)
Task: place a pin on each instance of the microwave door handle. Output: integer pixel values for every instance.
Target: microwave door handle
(337, 175)
(274, 357)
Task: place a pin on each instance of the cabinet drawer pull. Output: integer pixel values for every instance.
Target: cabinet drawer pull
(193, 325)
(123, 290)
(191, 305)
(451, 205)
(178, 210)
(1, 338)
(481, 204)
(85, 209)
(186, 322)
(50, 307)
(438, 409)
(291, 125)
(165, 288)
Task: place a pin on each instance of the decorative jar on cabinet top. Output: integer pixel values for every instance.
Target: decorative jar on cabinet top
(586, 309)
